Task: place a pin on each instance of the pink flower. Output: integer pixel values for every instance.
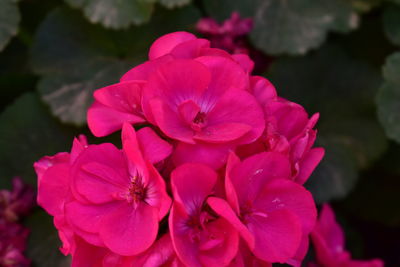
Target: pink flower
(123, 102)
(18, 202)
(119, 197)
(288, 131)
(203, 100)
(270, 212)
(13, 237)
(200, 237)
(328, 240)
(230, 35)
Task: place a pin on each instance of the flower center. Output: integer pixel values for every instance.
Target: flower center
(200, 118)
(137, 190)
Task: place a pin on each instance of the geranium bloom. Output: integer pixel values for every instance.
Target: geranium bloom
(228, 36)
(270, 211)
(328, 239)
(288, 131)
(200, 237)
(119, 197)
(13, 237)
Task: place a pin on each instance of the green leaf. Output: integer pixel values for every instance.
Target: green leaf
(27, 133)
(292, 27)
(342, 90)
(337, 173)
(43, 242)
(391, 23)
(75, 57)
(9, 20)
(115, 14)
(388, 98)
(174, 3)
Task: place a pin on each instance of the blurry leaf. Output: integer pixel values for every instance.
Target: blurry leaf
(115, 14)
(9, 20)
(388, 98)
(343, 91)
(337, 173)
(174, 3)
(27, 133)
(292, 27)
(75, 58)
(365, 5)
(43, 242)
(391, 22)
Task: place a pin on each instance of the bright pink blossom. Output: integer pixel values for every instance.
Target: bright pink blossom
(200, 237)
(230, 35)
(288, 131)
(328, 240)
(270, 211)
(119, 197)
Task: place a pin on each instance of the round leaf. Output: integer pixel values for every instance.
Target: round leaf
(9, 20)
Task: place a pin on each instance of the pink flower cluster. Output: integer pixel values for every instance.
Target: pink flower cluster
(213, 177)
(13, 236)
(328, 240)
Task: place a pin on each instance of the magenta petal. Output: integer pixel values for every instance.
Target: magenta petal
(213, 155)
(103, 120)
(250, 176)
(230, 190)
(100, 183)
(309, 163)
(190, 49)
(87, 217)
(331, 231)
(225, 75)
(129, 231)
(285, 194)
(222, 208)
(277, 235)
(297, 259)
(143, 71)
(53, 189)
(262, 89)
(244, 61)
(191, 184)
(166, 43)
(223, 132)
(169, 122)
(188, 111)
(239, 106)
(153, 147)
(46, 162)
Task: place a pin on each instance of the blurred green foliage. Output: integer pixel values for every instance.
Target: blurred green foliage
(340, 58)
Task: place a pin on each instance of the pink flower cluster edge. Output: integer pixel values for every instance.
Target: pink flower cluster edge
(212, 177)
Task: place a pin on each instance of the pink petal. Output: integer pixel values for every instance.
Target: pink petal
(244, 61)
(222, 208)
(154, 148)
(225, 75)
(277, 235)
(188, 111)
(87, 255)
(103, 120)
(222, 132)
(309, 163)
(213, 155)
(330, 230)
(237, 106)
(170, 123)
(100, 183)
(143, 71)
(129, 231)
(166, 43)
(250, 176)
(262, 89)
(230, 190)
(297, 260)
(285, 194)
(190, 49)
(78, 146)
(105, 154)
(191, 184)
(53, 189)
(42, 165)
